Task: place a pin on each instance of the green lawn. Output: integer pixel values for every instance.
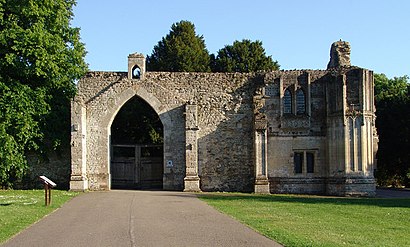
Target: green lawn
(21, 208)
(295, 220)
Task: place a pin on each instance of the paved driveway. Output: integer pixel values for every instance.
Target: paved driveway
(138, 218)
(392, 193)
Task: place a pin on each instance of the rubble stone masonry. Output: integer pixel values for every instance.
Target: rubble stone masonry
(300, 131)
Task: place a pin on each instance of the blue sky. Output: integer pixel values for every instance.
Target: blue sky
(296, 33)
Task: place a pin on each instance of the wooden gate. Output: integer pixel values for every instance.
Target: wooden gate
(136, 167)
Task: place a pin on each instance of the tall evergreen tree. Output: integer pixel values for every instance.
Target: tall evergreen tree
(41, 57)
(243, 56)
(181, 50)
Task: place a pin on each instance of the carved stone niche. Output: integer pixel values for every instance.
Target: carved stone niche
(259, 111)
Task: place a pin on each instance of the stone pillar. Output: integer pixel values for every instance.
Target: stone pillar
(308, 96)
(281, 94)
(78, 178)
(260, 145)
(261, 170)
(191, 180)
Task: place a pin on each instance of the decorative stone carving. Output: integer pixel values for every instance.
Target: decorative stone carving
(295, 122)
(260, 119)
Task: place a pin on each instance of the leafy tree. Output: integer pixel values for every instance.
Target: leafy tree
(392, 98)
(386, 88)
(243, 56)
(21, 107)
(181, 50)
(41, 56)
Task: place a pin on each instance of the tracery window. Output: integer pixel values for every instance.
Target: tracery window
(287, 102)
(300, 102)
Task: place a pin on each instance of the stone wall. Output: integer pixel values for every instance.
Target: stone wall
(224, 122)
(55, 165)
(237, 131)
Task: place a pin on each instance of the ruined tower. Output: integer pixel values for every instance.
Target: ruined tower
(339, 54)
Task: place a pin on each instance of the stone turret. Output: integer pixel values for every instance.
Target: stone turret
(136, 66)
(339, 55)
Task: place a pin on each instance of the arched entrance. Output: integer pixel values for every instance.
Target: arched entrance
(136, 147)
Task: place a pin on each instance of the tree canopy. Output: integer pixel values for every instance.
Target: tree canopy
(181, 50)
(392, 98)
(243, 56)
(41, 57)
(386, 88)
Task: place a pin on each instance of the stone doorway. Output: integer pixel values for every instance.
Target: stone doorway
(136, 147)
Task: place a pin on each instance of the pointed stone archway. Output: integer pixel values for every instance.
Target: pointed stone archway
(136, 147)
(90, 139)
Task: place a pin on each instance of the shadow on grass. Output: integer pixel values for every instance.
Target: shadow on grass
(379, 202)
(5, 204)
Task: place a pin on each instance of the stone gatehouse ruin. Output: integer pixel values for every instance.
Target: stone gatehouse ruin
(299, 131)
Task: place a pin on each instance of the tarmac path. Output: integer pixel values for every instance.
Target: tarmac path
(392, 193)
(138, 218)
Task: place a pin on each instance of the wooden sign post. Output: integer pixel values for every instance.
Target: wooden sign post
(48, 185)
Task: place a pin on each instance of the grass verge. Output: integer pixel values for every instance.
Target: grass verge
(295, 220)
(21, 208)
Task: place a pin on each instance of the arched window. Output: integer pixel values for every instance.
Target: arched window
(287, 102)
(136, 72)
(300, 102)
